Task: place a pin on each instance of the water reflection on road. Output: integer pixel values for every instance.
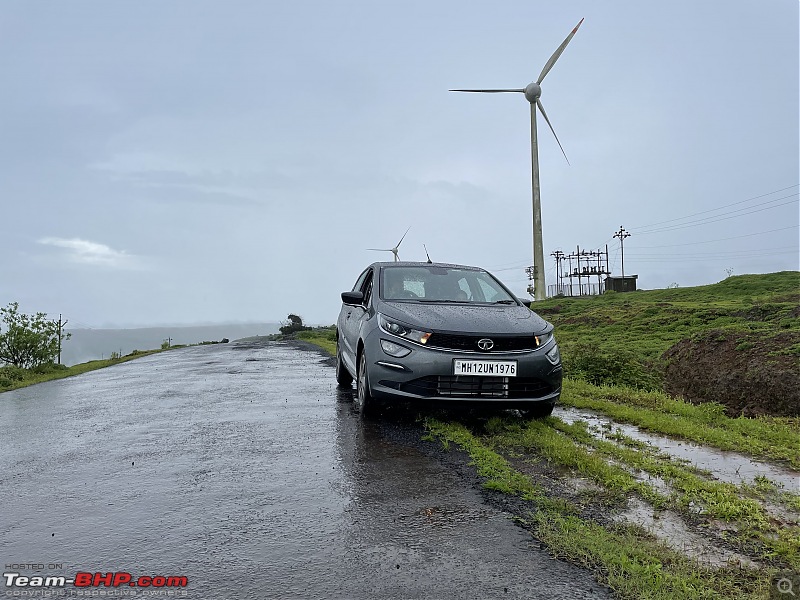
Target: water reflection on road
(244, 468)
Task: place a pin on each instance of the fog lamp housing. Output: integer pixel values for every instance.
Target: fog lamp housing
(553, 355)
(394, 349)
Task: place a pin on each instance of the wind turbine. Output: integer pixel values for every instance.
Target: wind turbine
(532, 92)
(392, 250)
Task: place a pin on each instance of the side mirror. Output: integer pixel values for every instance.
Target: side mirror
(353, 298)
(525, 301)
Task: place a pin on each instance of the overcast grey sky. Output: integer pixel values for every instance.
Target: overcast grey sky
(196, 161)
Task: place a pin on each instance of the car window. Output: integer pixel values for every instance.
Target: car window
(440, 284)
(487, 291)
(360, 281)
(367, 289)
(463, 285)
(399, 284)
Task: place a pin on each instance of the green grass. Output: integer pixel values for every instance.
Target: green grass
(612, 466)
(644, 324)
(693, 492)
(324, 337)
(625, 558)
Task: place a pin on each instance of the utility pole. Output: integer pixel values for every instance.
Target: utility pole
(622, 234)
(60, 327)
(531, 272)
(559, 256)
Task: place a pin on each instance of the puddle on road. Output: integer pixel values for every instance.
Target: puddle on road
(669, 527)
(726, 466)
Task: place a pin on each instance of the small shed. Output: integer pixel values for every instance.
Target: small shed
(621, 284)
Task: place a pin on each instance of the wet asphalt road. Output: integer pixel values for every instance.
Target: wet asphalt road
(245, 469)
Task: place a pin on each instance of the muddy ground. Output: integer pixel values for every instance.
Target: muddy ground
(749, 373)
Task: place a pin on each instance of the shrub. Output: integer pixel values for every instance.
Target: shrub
(611, 366)
(294, 325)
(12, 373)
(49, 367)
(28, 340)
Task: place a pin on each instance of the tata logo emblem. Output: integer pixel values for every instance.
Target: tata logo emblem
(485, 344)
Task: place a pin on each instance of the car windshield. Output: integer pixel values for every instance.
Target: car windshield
(442, 284)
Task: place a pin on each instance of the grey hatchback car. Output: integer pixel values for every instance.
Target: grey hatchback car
(431, 333)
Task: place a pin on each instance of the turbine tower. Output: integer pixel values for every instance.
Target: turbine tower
(393, 250)
(532, 92)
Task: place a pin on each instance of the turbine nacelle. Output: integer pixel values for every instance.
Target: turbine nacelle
(394, 250)
(533, 92)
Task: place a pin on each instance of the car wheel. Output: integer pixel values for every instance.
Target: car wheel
(538, 411)
(363, 394)
(343, 376)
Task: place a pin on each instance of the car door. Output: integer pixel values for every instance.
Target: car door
(350, 319)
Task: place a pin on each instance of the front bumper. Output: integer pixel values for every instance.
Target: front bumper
(426, 376)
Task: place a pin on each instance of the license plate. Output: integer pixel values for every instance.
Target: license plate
(485, 368)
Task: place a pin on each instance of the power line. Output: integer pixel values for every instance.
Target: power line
(713, 220)
(736, 237)
(703, 258)
(519, 266)
(732, 253)
(718, 208)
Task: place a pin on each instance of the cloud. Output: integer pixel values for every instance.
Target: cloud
(91, 253)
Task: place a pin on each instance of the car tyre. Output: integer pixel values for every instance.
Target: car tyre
(363, 394)
(539, 410)
(343, 376)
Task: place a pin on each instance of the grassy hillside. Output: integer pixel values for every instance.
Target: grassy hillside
(740, 336)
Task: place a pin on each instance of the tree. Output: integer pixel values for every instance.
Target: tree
(27, 341)
(295, 324)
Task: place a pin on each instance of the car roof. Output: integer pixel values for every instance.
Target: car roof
(404, 263)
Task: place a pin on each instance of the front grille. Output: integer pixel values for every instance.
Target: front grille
(470, 386)
(451, 341)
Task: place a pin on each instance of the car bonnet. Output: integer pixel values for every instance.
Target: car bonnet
(467, 318)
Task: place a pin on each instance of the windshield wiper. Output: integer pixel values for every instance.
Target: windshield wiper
(429, 301)
(504, 302)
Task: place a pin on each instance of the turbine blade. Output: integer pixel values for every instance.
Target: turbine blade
(402, 238)
(557, 53)
(487, 91)
(544, 114)
(382, 249)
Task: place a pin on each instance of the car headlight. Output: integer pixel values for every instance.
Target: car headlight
(402, 330)
(542, 339)
(553, 355)
(395, 350)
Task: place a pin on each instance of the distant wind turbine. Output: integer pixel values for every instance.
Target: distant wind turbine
(532, 93)
(392, 250)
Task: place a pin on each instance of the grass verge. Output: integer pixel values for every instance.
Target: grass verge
(324, 337)
(25, 377)
(625, 558)
(773, 438)
(572, 446)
